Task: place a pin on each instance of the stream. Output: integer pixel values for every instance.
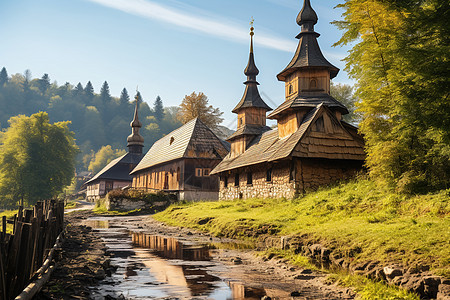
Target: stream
(155, 266)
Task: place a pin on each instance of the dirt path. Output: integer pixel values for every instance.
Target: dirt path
(83, 264)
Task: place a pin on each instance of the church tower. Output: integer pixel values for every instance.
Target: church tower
(135, 140)
(251, 110)
(307, 78)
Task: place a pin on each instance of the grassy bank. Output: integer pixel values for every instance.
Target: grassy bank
(356, 217)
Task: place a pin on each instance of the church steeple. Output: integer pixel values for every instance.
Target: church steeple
(135, 140)
(251, 109)
(251, 97)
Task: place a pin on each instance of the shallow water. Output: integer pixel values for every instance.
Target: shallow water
(159, 267)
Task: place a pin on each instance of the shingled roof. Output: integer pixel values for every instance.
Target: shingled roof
(185, 142)
(267, 147)
(118, 169)
(308, 52)
(309, 100)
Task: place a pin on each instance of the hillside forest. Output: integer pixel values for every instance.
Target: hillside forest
(97, 119)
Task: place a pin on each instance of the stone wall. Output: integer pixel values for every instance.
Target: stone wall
(124, 204)
(309, 174)
(279, 186)
(313, 173)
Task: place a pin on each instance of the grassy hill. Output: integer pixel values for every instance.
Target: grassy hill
(358, 219)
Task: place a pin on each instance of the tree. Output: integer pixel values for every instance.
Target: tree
(124, 97)
(89, 91)
(400, 60)
(105, 95)
(103, 157)
(78, 90)
(158, 109)
(196, 106)
(44, 83)
(3, 77)
(344, 94)
(37, 159)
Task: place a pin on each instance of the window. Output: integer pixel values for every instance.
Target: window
(291, 89)
(313, 83)
(292, 171)
(225, 181)
(236, 179)
(198, 172)
(206, 172)
(269, 175)
(249, 178)
(241, 121)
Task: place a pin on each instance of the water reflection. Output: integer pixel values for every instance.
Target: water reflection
(171, 248)
(96, 224)
(240, 291)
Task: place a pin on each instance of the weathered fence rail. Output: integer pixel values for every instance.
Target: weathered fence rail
(23, 252)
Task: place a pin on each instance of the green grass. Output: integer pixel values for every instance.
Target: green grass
(71, 204)
(9, 215)
(359, 218)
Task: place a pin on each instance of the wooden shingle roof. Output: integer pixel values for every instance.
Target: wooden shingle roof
(309, 100)
(268, 147)
(192, 140)
(118, 169)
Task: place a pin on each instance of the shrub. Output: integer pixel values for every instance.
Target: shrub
(139, 195)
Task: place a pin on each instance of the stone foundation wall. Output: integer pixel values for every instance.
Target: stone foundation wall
(313, 173)
(279, 186)
(309, 174)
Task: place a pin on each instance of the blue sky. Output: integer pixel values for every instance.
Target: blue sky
(168, 48)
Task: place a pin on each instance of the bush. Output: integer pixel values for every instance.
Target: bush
(139, 195)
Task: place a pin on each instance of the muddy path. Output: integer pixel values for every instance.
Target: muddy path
(140, 258)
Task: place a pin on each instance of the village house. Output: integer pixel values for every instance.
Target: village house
(116, 174)
(312, 145)
(181, 163)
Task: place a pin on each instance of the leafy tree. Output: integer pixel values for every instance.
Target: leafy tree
(37, 159)
(400, 60)
(3, 77)
(124, 97)
(344, 94)
(158, 109)
(103, 157)
(105, 95)
(196, 106)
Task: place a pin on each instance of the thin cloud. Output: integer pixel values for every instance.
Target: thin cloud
(154, 11)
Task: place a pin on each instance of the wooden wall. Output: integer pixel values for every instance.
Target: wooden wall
(252, 115)
(307, 80)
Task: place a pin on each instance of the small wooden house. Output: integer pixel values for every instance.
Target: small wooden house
(181, 163)
(312, 145)
(116, 174)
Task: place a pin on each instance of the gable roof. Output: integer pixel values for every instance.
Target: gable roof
(118, 169)
(184, 142)
(268, 147)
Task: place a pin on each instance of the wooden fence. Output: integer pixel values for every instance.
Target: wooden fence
(23, 252)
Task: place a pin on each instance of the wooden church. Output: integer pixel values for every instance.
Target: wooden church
(312, 145)
(116, 174)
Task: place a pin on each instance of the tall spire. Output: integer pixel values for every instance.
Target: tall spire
(308, 52)
(251, 96)
(307, 17)
(135, 140)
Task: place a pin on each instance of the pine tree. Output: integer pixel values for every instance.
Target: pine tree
(124, 97)
(3, 77)
(105, 95)
(89, 91)
(44, 83)
(138, 97)
(78, 90)
(158, 109)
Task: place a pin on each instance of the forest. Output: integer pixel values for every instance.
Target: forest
(97, 119)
